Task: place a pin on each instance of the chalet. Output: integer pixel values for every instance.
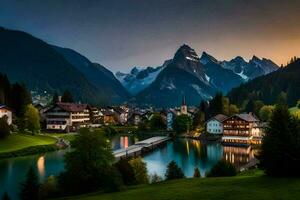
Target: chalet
(241, 129)
(67, 116)
(121, 115)
(135, 118)
(6, 113)
(109, 116)
(215, 124)
(96, 115)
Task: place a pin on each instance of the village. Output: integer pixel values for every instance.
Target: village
(63, 117)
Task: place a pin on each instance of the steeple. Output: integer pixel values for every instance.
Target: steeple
(183, 101)
(183, 108)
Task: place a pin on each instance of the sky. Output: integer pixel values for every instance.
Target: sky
(120, 34)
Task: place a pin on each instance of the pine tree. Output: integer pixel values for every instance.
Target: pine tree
(173, 171)
(30, 187)
(67, 97)
(280, 151)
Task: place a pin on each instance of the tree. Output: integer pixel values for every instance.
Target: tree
(157, 122)
(197, 173)
(20, 98)
(182, 123)
(140, 170)
(126, 172)
(280, 150)
(55, 98)
(5, 196)
(222, 168)
(89, 166)
(67, 97)
(30, 187)
(154, 178)
(173, 171)
(4, 128)
(216, 105)
(298, 103)
(265, 112)
(233, 109)
(32, 119)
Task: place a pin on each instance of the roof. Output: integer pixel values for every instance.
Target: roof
(220, 117)
(107, 112)
(5, 107)
(72, 107)
(247, 117)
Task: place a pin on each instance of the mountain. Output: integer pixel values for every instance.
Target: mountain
(183, 75)
(138, 78)
(220, 78)
(252, 69)
(268, 87)
(103, 79)
(43, 67)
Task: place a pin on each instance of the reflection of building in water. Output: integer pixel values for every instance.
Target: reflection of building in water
(124, 142)
(238, 155)
(41, 166)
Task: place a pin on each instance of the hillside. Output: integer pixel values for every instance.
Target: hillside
(29, 60)
(109, 88)
(268, 87)
(246, 187)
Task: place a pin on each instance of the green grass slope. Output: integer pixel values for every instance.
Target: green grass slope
(19, 141)
(246, 187)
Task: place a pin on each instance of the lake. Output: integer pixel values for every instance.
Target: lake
(187, 153)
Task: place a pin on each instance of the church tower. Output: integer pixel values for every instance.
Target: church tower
(183, 108)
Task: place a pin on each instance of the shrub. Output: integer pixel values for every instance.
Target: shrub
(173, 171)
(140, 170)
(126, 172)
(222, 168)
(154, 178)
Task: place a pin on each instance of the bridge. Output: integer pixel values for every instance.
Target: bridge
(139, 147)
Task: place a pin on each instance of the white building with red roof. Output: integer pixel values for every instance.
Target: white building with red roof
(67, 116)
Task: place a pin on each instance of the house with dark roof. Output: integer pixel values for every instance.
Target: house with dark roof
(67, 116)
(6, 113)
(215, 124)
(242, 129)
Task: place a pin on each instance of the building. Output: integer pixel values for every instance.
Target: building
(67, 116)
(171, 115)
(6, 113)
(183, 108)
(121, 115)
(215, 124)
(135, 118)
(242, 129)
(109, 116)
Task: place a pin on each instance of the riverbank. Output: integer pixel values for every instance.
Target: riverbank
(249, 185)
(22, 144)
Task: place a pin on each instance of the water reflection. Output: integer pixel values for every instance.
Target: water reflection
(238, 156)
(41, 166)
(188, 154)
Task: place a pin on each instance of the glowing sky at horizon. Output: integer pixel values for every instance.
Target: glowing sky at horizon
(120, 34)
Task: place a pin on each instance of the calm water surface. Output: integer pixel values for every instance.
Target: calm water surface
(187, 153)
